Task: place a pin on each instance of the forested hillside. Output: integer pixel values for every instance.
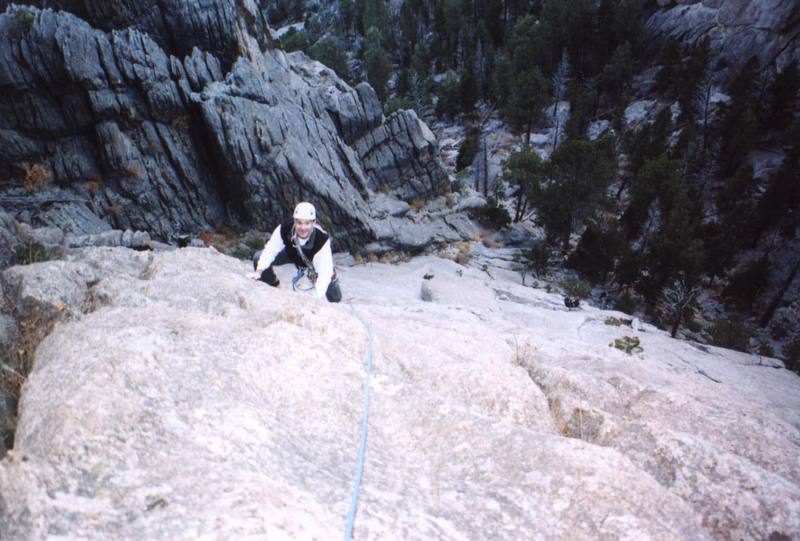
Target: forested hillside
(705, 189)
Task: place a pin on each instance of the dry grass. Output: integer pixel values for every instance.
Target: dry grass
(463, 256)
(135, 170)
(181, 122)
(523, 354)
(419, 203)
(17, 362)
(113, 210)
(393, 258)
(207, 238)
(489, 242)
(93, 186)
(36, 178)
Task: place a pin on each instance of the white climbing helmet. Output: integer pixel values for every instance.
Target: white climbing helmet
(304, 211)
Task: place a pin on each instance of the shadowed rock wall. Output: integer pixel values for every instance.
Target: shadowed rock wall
(183, 119)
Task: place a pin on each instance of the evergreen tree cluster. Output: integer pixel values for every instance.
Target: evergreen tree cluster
(673, 201)
(505, 52)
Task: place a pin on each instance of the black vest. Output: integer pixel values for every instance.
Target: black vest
(314, 244)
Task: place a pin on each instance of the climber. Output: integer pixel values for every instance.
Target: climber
(302, 242)
(571, 303)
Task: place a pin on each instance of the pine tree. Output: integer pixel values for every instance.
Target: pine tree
(376, 62)
(599, 247)
(572, 24)
(494, 22)
(670, 246)
(524, 171)
(783, 97)
(347, 16)
(580, 172)
(468, 86)
(669, 59)
(649, 183)
(780, 204)
(530, 46)
(739, 125)
(616, 76)
(527, 97)
(448, 94)
(583, 97)
(408, 25)
(330, 52)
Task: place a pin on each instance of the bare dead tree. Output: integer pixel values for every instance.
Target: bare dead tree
(560, 78)
(702, 104)
(675, 301)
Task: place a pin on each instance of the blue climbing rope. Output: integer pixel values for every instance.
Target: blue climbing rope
(301, 271)
(362, 445)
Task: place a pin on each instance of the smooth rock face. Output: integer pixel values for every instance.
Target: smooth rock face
(417, 235)
(390, 166)
(736, 29)
(192, 402)
(152, 128)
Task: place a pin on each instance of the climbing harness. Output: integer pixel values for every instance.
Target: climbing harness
(302, 271)
(309, 271)
(362, 445)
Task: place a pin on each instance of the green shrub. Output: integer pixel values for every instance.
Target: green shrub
(538, 258)
(460, 183)
(765, 349)
(596, 252)
(746, 285)
(469, 148)
(625, 303)
(244, 253)
(396, 103)
(330, 52)
(791, 354)
(628, 344)
(34, 252)
(294, 40)
(693, 325)
(24, 17)
(731, 333)
(575, 287)
(617, 321)
(254, 243)
(492, 214)
(448, 103)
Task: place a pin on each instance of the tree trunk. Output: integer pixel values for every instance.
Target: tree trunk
(776, 301)
(567, 235)
(676, 324)
(484, 164)
(622, 186)
(528, 132)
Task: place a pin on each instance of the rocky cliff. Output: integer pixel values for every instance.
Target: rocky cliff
(737, 30)
(177, 399)
(174, 116)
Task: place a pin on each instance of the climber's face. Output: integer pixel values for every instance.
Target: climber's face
(303, 227)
